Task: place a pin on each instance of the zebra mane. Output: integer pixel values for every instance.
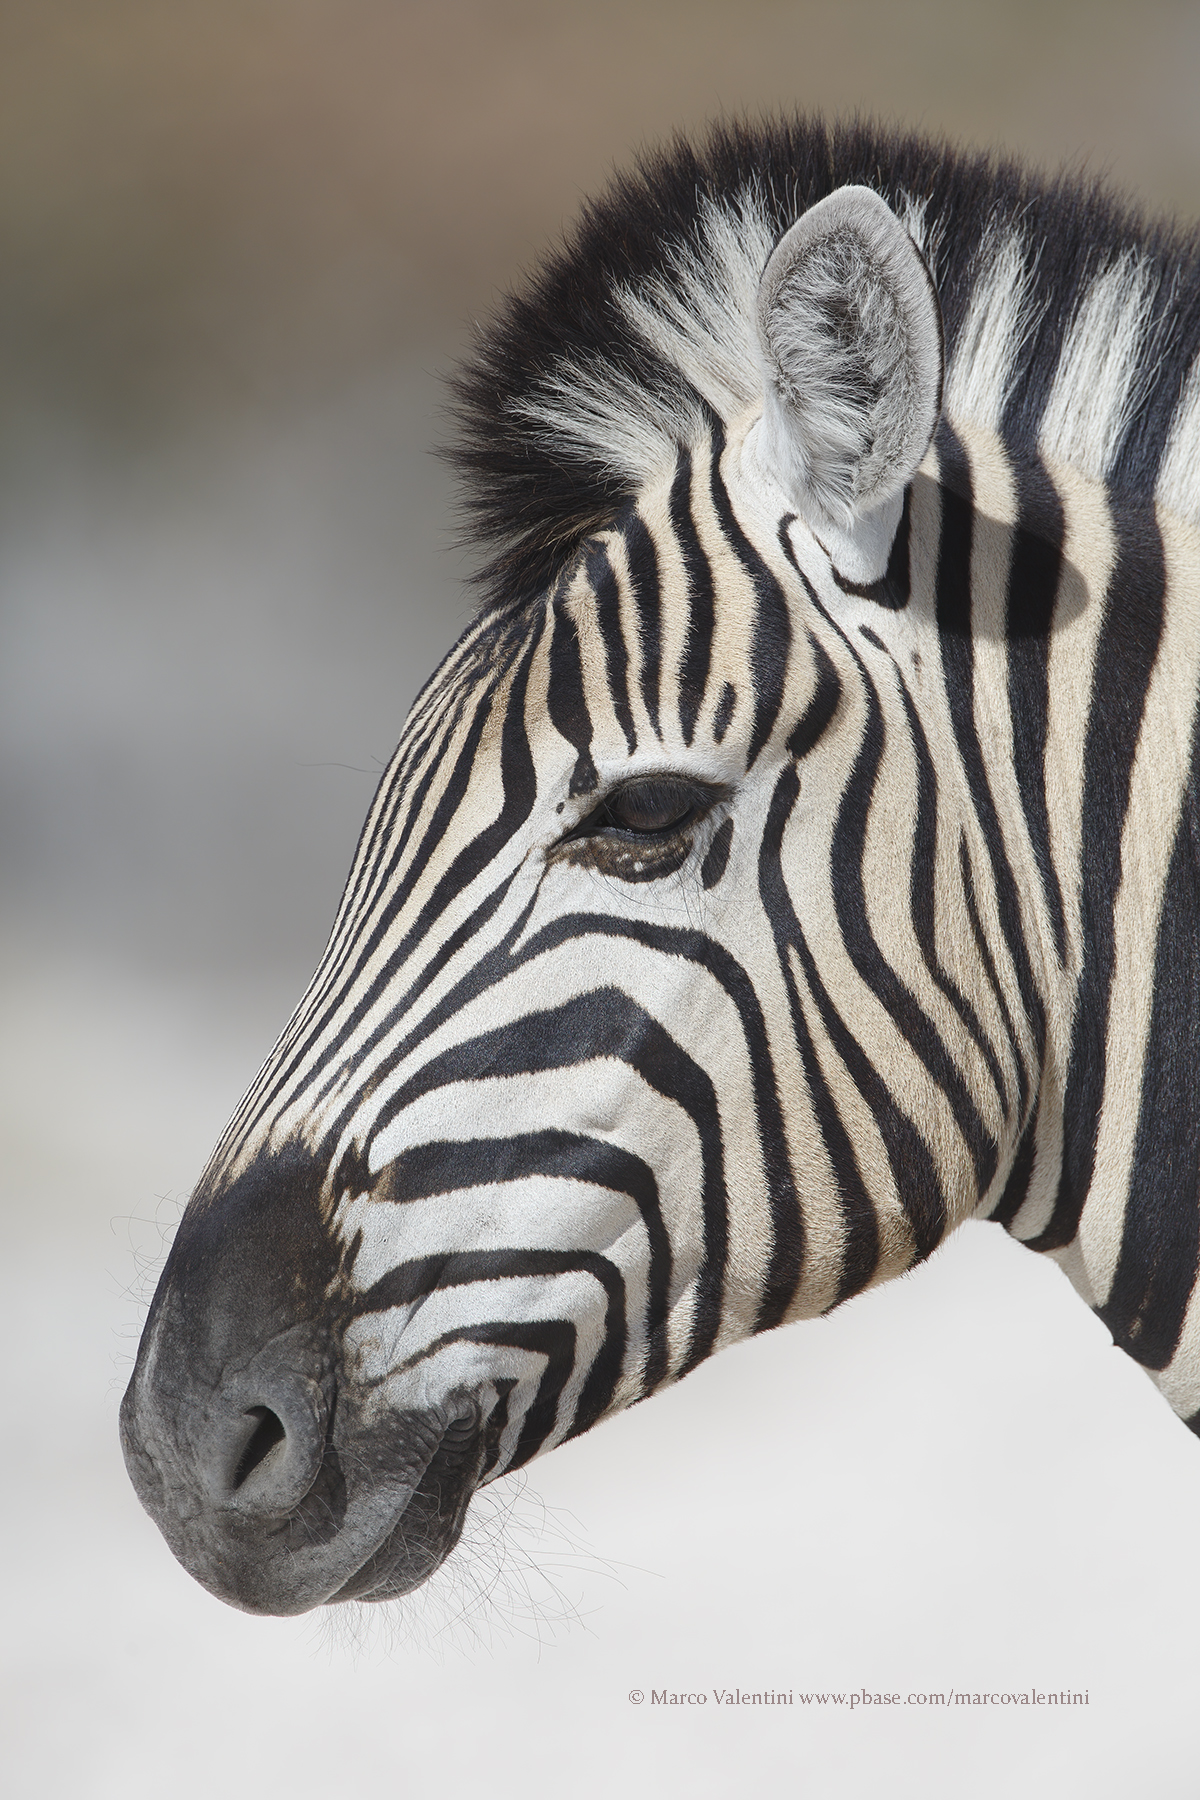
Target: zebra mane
(1072, 327)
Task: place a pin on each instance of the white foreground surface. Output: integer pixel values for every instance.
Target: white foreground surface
(955, 1483)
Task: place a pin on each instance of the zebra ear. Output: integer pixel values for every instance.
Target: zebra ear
(851, 339)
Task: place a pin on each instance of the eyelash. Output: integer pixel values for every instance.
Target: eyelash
(680, 800)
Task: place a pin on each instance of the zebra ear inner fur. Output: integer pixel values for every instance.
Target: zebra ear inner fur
(851, 338)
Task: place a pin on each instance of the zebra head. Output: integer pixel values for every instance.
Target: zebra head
(634, 1035)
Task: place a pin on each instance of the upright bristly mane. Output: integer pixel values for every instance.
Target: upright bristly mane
(1072, 328)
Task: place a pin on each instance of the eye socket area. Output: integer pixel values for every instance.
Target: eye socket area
(650, 806)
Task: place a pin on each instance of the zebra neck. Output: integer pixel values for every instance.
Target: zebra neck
(1085, 663)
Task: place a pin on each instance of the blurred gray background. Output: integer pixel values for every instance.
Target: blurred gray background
(241, 241)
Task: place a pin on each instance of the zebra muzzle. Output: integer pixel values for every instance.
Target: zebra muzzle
(278, 1478)
(275, 1496)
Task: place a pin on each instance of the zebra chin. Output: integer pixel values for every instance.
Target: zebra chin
(279, 1482)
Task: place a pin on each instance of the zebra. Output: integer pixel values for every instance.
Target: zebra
(795, 857)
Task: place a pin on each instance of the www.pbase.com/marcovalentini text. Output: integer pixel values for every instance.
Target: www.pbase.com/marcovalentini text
(863, 1697)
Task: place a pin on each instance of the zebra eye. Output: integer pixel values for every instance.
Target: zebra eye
(652, 806)
(640, 832)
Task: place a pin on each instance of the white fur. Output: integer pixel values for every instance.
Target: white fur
(1179, 476)
(1001, 314)
(601, 412)
(1101, 374)
(700, 320)
(927, 234)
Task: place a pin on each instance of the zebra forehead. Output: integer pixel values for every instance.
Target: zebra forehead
(1071, 327)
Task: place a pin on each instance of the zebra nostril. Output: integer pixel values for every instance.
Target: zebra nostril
(264, 1458)
(269, 1430)
(260, 1441)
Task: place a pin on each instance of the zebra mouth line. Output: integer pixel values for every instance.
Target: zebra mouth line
(430, 1523)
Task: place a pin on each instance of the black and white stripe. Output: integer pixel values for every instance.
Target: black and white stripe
(569, 1105)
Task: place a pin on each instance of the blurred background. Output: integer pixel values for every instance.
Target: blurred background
(241, 243)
